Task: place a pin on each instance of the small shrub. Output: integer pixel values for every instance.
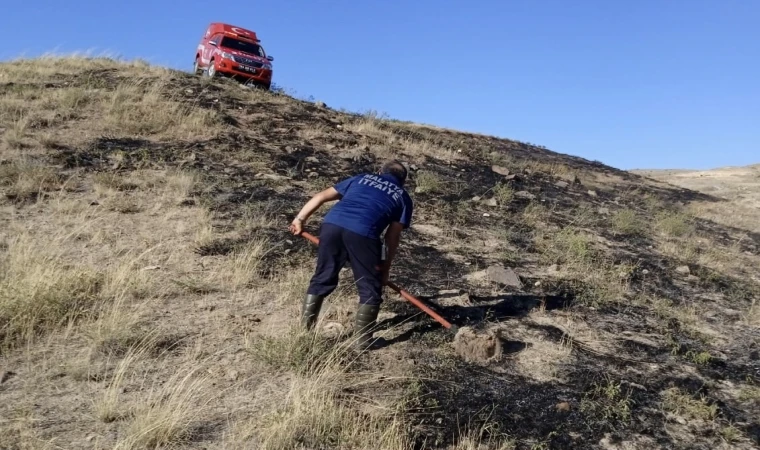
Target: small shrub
(503, 194)
(682, 404)
(40, 290)
(27, 178)
(536, 215)
(674, 224)
(626, 222)
(607, 401)
(569, 246)
(428, 182)
(166, 417)
(114, 182)
(296, 350)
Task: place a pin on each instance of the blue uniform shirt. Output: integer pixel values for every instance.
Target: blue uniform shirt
(369, 203)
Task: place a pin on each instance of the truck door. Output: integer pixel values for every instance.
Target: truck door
(208, 49)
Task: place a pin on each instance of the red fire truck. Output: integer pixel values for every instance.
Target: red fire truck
(229, 50)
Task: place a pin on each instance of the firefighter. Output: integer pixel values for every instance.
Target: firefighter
(368, 205)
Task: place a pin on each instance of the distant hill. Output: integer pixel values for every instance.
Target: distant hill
(739, 185)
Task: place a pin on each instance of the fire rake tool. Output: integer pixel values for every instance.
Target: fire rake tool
(406, 295)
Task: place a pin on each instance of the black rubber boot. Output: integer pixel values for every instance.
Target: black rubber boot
(310, 310)
(366, 318)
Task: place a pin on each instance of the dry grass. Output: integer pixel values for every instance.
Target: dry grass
(607, 400)
(627, 222)
(485, 437)
(682, 404)
(27, 178)
(503, 194)
(429, 182)
(243, 266)
(146, 107)
(169, 412)
(315, 411)
(674, 224)
(599, 280)
(40, 289)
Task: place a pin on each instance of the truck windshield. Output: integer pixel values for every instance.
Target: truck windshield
(242, 46)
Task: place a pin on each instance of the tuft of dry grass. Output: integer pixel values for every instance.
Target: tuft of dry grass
(428, 182)
(40, 289)
(110, 406)
(26, 178)
(243, 266)
(674, 224)
(676, 401)
(503, 194)
(627, 222)
(484, 437)
(315, 412)
(607, 400)
(167, 416)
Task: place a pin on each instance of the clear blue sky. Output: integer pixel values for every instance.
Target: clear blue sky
(633, 84)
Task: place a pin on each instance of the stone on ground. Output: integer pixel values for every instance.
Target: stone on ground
(504, 276)
(477, 348)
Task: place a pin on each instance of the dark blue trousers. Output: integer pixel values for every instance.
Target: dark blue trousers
(338, 245)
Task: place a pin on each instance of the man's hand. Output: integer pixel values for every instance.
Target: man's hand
(296, 227)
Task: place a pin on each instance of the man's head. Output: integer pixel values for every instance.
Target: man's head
(395, 168)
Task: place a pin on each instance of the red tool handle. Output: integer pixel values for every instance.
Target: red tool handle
(409, 297)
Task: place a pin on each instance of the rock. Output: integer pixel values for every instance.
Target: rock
(592, 193)
(312, 159)
(333, 330)
(645, 271)
(525, 195)
(476, 199)
(563, 407)
(501, 170)
(232, 375)
(189, 91)
(486, 215)
(683, 270)
(340, 127)
(151, 268)
(692, 278)
(571, 178)
(604, 210)
(270, 176)
(321, 105)
(511, 176)
(450, 292)
(313, 175)
(491, 202)
(562, 184)
(504, 276)
(414, 167)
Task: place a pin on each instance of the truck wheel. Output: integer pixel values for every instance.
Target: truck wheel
(196, 67)
(211, 71)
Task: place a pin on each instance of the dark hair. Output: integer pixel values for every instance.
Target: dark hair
(396, 169)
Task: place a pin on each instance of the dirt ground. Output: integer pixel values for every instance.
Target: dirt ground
(150, 292)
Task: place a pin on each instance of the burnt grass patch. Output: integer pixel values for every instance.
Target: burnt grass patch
(572, 415)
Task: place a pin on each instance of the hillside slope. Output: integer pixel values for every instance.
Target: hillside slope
(149, 290)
